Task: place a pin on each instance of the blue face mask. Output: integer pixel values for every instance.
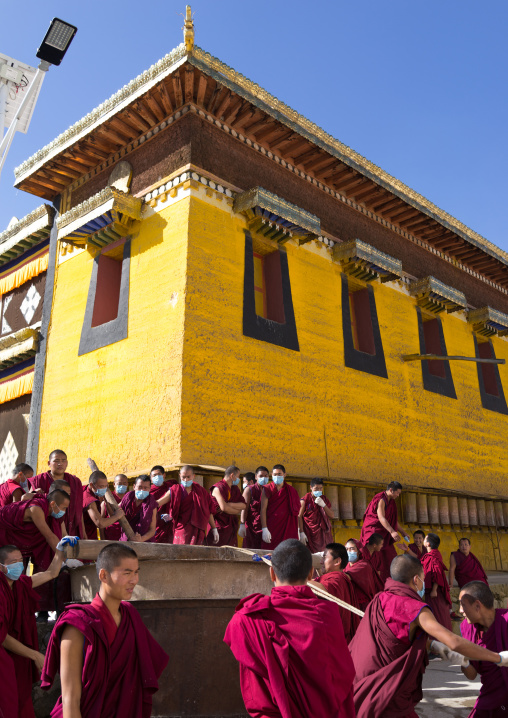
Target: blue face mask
(141, 495)
(262, 480)
(187, 483)
(14, 570)
(24, 485)
(236, 481)
(121, 489)
(57, 514)
(317, 493)
(101, 492)
(277, 479)
(421, 592)
(352, 556)
(157, 480)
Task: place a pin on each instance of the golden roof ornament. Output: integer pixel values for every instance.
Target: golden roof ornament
(188, 30)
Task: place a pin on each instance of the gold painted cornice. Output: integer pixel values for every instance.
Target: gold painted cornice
(361, 260)
(435, 296)
(487, 321)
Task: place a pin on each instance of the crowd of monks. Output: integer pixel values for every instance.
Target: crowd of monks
(299, 654)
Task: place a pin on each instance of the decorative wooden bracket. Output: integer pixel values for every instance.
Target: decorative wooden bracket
(364, 262)
(275, 218)
(487, 322)
(436, 297)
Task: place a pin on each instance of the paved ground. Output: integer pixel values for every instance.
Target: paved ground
(446, 692)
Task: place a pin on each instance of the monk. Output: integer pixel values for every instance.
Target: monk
(18, 603)
(140, 510)
(381, 518)
(228, 504)
(14, 488)
(250, 518)
(93, 495)
(314, 518)
(417, 549)
(372, 553)
(464, 566)
(109, 664)
(365, 579)
(280, 506)
(191, 508)
(160, 486)
(293, 656)
(338, 583)
(488, 627)
(57, 470)
(249, 479)
(437, 591)
(120, 487)
(389, 649)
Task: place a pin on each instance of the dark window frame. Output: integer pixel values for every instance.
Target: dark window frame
(489, 401)
(436, 384)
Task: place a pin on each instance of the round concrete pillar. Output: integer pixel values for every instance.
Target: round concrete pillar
(409, 507)
(359, 502)
(444, 510)
(422, 509)
(346, 502)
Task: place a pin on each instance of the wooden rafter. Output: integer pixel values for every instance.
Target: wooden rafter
(202, 87)
(189, 83)
(177, 89)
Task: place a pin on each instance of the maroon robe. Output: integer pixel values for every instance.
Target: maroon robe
(88, 499)
(376, 561)
(253, 519)
(7, 490)
(18, 605)
(281, 514)
(74, 512)
(227, 524)
(468, 569)
(113, 532)
(316, 524)
(164, 529)
(389, 669)
(8, 684)
(293, 656)
(339, 584)
(435, 572)
(372, 525)
(494, 691)
(365, 580)
(191, 513)
(120, 670)
(418, 552)
(139, 517)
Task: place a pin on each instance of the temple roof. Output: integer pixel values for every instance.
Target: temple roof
(189, 76)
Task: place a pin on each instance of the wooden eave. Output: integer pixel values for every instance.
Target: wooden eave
(227, 97)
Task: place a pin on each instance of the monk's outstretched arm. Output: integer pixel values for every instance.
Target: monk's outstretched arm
(384, 522)
(211, 521)
(164, 499)
(14, 646)
(71, 669)
(300, 515)
(52, 572)
(470, 672)
(453, 566)
(456, 643)
(264, 505)
(151, 530)
(38, 518)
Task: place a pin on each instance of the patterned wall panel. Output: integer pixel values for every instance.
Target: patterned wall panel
(22, 307)
(13, 433)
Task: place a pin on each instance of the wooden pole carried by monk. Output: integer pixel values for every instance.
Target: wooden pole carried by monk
(112, 505)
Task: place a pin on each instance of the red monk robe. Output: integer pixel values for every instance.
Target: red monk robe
(164, 530)
(435, 572)
(227, 524)
(121, 665)
(418, 552)
(293, 656)
(191, 513)
(88, 499)
(468, 568)
(339, 584)
(7, 491)
(8, 684)
(316, 524)
(281, 514)
(376, 561)
(494, 691)
(372, 525)
(73, 515)
(139, 517)
(113, 532)
(253, 519)
(17, 606)
(389, 669)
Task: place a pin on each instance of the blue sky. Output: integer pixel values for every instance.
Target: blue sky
(419, 87)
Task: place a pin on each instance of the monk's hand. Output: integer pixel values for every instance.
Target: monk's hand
(320, 502)
(242, 531)
(504, 659)
(433, 593)
(38, 659)
(447, 654)
(395, 536)
(215, 535)
(136, 537)
(303, 537)
(119, 513)
(67, 541)
(266, 536)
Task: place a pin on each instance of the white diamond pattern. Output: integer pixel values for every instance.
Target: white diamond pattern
(30, 303)
(6, 329)
(8, 457)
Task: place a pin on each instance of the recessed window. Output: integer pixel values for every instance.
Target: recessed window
(436, 374)
(488, 370)
(361, 321)
(431, 332)
(268, 294)
(107, 291)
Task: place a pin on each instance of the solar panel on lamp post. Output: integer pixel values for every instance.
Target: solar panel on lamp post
(51, 52)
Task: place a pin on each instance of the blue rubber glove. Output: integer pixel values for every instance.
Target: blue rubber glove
(67, 541)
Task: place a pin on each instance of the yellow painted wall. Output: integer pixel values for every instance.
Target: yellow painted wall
(256, 403)
(120, 404)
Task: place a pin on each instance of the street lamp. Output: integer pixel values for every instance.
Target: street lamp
(51, 52)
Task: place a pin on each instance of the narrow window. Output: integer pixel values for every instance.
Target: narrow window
(433, 346)
(107, 292)
(259, 286)
(488, 370)
(273, 285)
(361, 322)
